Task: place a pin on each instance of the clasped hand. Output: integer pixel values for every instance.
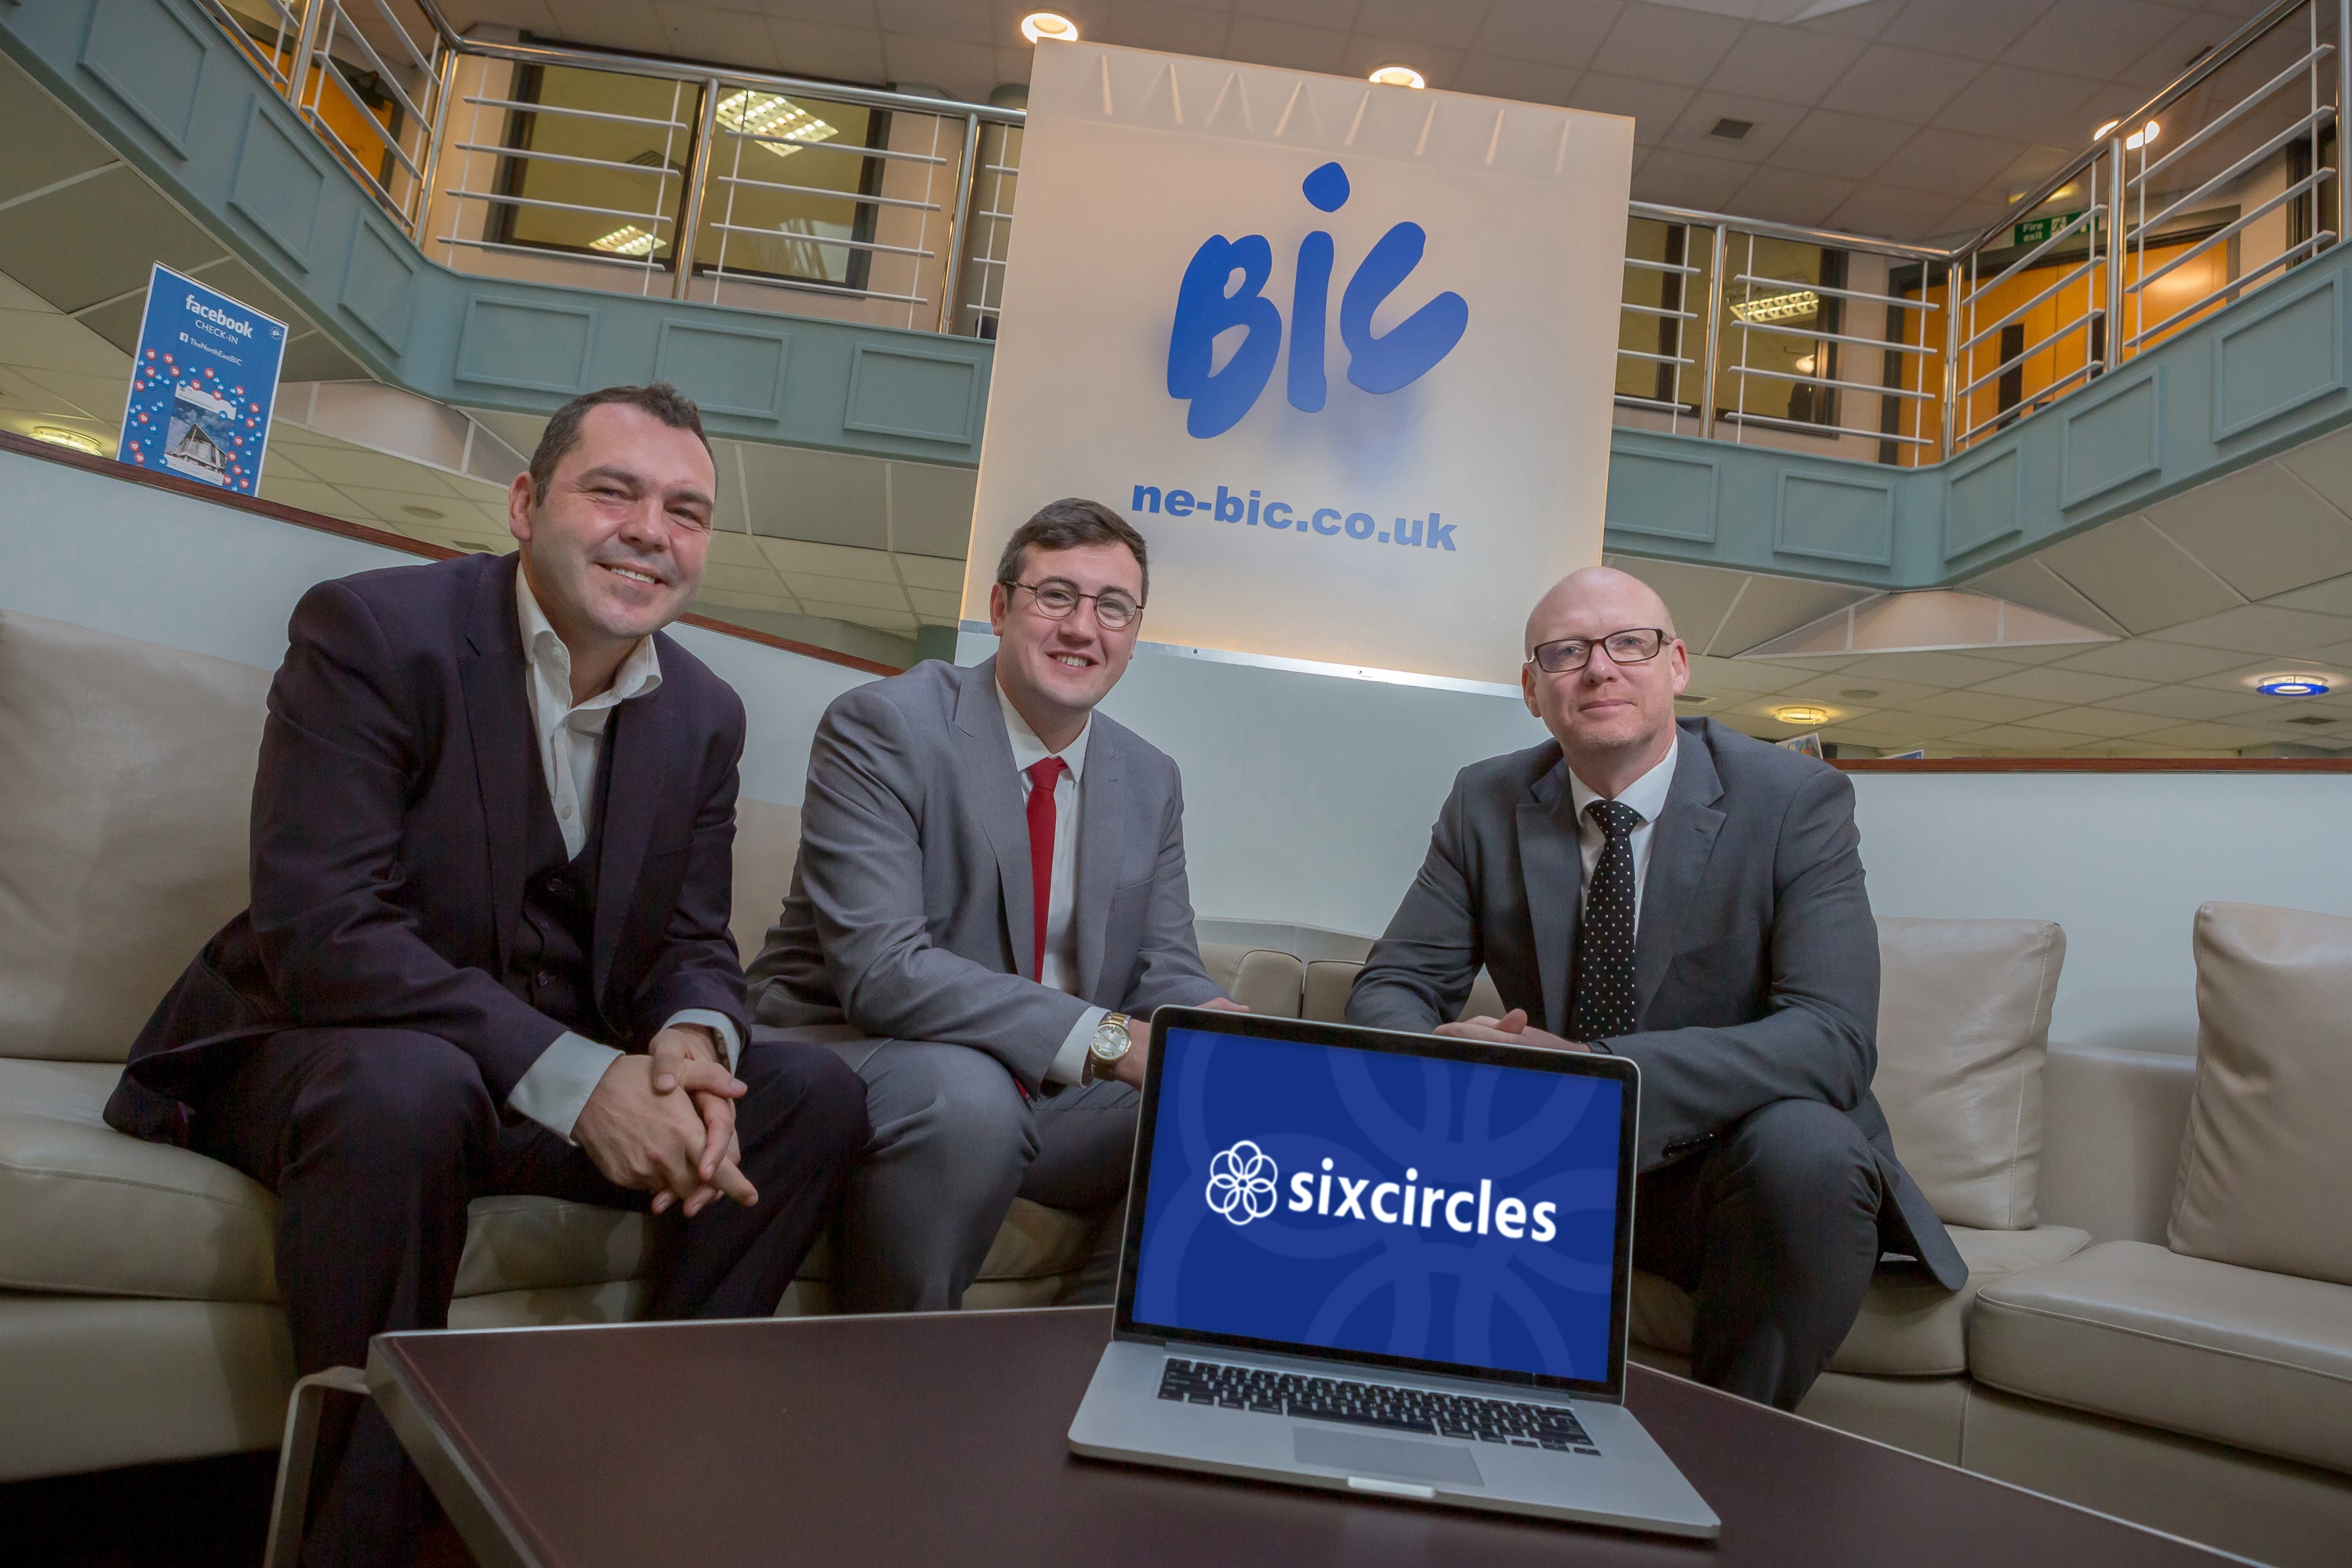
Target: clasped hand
(1511, 1029)
(665, 1122)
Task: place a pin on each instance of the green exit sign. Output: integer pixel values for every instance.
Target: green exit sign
(2034, 231)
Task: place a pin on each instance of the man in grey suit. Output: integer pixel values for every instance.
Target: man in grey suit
(1686, 897)
(990, 900)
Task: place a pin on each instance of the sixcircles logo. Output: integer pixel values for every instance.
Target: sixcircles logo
(1241, 1182)
(1209, 303)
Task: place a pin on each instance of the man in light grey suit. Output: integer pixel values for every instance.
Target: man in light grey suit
(989, 901)
(1686, 897)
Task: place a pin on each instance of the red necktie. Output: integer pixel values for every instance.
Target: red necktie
(1043, 777)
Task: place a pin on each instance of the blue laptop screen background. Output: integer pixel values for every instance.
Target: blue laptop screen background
(1279, 1176)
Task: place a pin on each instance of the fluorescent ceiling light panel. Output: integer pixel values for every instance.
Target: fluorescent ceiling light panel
(776, 121)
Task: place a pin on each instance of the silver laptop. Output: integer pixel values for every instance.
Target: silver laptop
(1384, 1263)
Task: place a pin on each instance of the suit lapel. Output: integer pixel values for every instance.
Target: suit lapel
(1548, 863)
(995, 788)
(497, 720)
(1679, 848)
(638, 735)
(1101, 808)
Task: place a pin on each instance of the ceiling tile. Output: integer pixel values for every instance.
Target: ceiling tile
(1981, 707)
(2032, 583)
(816, 48)
(1660, 43)
(1979, 30)
(1418, 22)
(1546, 31)
(2107, 722)
(1367, 53)
(1773, 605)
(615, 24)
(829, 496)
(1846, 146)
(728, 548)
(2208, 737)
(816, 589)
(1686, 180)
(1653, 106)
(929, 571)
(729, 37)
(1497, 75)
(1780, 63)
(968, 20)
(1293, 47)
(1696, 596)
(46, 144)
(796, 558)
(2325, 464)
(1916, 726)
(2329, 598)
(735, 579)
(2061, 686)
(2098, 40)
(2188, 702)
(2018, 739)
(1907, 85)
(1339, 15)
(1768, 122)
(2176, 50)
(1719, 676)
(2261, 529)
(2261, 628)
(1944, 669)
(1784, 195)
(934, 605)
(1891, 214)
(931, 509)
(952, 65)
(1849, 690)
(2145, 658)
(1949, 162)
(1177, 29)
(865, 615)
(729, 599)
(2241, 681)
(2139, 576)
(2034, 105)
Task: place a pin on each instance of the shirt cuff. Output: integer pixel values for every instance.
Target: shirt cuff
(556, 1089)
(731, 1043)
(1070, 1061)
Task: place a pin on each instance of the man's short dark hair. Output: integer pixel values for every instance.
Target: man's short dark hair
(660, 399)
(1066, 524)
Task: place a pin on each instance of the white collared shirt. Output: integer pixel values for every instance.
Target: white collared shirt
(1061, 967)
(1647, 797)
(568, 737)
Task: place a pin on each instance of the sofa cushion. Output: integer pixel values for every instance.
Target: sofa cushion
(2234, 1355)
(1259, 978)
(1963, 1027)
(125, 787)
(767, 842)
(1329, 981)
(86, 1210)
(2261, 1182)
(1910, 1325)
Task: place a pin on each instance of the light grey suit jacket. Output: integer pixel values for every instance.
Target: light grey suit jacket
(1754, 961)
(910, 910)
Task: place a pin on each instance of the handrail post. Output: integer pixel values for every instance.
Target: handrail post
(445, 82)
(1951, 355)
(698, 175)
(2343, 107)
(2117, 248)
(1714, 332)
(960, 224)
(306, 38)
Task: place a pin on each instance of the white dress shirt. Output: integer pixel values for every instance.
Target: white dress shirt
(569, 737)
(1647, 796)
(1061, 968)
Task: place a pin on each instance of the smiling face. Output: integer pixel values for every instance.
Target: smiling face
(1056, 671)
(1612, 721)
(615, 546)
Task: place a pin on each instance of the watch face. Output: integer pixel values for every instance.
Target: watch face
(1111, 1041)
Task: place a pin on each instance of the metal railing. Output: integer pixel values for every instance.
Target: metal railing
(760, 189)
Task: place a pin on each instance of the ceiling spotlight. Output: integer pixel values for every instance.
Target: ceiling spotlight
(73, 440)
(2146, 134)
(1808, 717)
(2291, 686)
(1398, 75)
(1039, 26)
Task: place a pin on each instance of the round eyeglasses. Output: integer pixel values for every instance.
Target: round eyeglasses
(1114, 611)
(1638, 644)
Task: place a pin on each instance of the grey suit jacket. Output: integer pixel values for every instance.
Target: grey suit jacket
(1754, 961)
(910, 910)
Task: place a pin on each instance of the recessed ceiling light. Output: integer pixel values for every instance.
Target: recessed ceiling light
(2291, 686)
(1398, 75)
(1859, 694)
(2141, 138)
(1039, 26)
(1729, 129)
(1807, 716)
(73, 439)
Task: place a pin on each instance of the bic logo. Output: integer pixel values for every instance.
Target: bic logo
(1241, 1182)
(1207, 305)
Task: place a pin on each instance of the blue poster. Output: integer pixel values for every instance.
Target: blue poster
(201, 385)
(1442, 1211)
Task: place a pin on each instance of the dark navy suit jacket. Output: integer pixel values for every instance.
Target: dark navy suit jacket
(389, 845)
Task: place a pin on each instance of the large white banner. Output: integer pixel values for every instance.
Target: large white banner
(1343, 353)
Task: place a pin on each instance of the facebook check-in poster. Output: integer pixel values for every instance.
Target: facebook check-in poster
(1343, 353)
(203, 383)
(1440, 1210)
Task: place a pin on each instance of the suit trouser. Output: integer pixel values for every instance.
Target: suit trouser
(954, 1143)
(375, 1140)
(1774, 1232)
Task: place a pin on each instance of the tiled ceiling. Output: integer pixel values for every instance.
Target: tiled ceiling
(1911, 120)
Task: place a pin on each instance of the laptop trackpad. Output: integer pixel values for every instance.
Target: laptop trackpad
(1362, 1454)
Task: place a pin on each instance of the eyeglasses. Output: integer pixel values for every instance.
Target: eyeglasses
(1638, 645)
(1114, 611)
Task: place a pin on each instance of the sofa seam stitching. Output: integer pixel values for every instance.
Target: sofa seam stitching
(2024, 1311)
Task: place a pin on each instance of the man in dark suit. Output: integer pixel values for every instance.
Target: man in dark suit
(487, 948)
(1684, 896)
(990, 899)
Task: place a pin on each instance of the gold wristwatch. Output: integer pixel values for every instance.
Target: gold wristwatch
(1111, 1043)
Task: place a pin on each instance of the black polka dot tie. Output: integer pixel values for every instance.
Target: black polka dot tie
(1604, 937)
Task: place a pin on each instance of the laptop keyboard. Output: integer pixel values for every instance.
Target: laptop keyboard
(1378, 1404)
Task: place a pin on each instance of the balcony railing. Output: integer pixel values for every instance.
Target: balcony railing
(652, 177)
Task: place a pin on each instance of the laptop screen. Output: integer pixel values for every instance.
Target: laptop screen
(1386, 1198)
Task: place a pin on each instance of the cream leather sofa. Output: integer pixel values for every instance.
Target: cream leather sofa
(2198, 1377)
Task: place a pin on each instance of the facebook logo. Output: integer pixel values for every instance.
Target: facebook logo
(1401, 1205)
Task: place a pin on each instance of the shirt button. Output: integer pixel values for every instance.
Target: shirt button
(553, 884)
(543, 980)
(564, 811)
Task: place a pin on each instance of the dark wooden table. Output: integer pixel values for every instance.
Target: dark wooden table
(941, 1440)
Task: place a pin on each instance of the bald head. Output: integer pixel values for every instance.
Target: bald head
(1614, 718)
(1618, 597)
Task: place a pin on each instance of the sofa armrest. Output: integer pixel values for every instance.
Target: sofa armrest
(2113, 1122)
